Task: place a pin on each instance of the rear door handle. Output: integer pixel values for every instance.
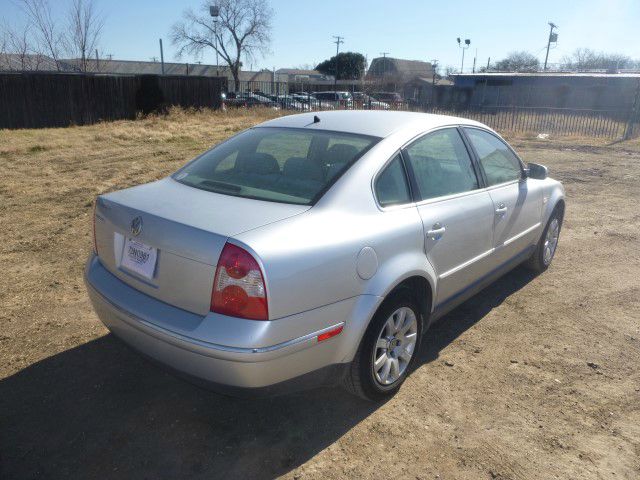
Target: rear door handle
(502, 209)
(436, 232)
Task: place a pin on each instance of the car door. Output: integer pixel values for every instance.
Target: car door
(457, 215)
(517, 203)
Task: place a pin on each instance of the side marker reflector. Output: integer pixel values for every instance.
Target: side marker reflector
(331, 333)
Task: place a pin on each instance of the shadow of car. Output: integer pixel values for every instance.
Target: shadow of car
(100, 410)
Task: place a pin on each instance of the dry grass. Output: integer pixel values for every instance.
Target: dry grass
(49, 180)
(520, 400)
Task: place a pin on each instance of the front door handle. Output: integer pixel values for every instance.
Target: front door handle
(436, 232)
(502, 209)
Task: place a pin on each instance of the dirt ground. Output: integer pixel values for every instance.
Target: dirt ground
(541, 380)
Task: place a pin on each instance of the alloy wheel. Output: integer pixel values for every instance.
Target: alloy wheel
(395, 346)
(551, 241)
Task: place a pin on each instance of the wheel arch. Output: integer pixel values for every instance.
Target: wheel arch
(555, 199)
(421, 286)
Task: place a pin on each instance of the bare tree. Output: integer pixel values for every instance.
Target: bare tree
(243, 31)
(85, 25)
(306, 66)
(587, 59)
(50, 38)
(518, 62)
(4, 59)
(18, 44)
(448, 70)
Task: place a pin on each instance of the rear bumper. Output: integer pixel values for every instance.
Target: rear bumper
(229, 354)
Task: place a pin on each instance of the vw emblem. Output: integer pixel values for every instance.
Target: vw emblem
(136, 226)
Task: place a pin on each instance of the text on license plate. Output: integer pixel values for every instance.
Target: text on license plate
(139, 257)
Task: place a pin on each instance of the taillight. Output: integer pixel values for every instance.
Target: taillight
(238, 287)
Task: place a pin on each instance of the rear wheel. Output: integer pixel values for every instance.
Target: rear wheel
(546, 248)
(388, 349)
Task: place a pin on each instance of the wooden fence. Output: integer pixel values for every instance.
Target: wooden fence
(38, 100)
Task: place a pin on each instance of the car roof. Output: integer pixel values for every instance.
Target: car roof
(376, 123)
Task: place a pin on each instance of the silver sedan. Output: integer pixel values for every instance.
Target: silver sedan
(317, 249)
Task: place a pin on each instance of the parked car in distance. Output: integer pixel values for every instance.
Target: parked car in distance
(313, 102)
(339, 99)
(317, 248)
(248, 100)
(362, 100)
(392, 98)
(288, 102)
(280, 100)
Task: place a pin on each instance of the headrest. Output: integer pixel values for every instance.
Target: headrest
(302, 168)
(260, 163)
(341, 153)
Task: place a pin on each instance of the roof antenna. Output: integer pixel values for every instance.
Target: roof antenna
(316, 119)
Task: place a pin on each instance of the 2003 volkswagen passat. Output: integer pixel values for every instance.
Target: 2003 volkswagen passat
(317, 249)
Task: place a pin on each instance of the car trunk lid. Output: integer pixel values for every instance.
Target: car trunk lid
(184, 228)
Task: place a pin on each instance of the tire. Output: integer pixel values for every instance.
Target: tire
(363, 378)
(542, 257)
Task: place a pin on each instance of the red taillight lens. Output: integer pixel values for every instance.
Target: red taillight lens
(238, 287)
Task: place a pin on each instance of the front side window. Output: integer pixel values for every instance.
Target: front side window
(391, 185)
(499, 163)
(276, 164)
(441, 164)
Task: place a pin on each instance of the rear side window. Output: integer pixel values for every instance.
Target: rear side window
(391, 185)
(276, 164)
(499, 163)
(441, 164)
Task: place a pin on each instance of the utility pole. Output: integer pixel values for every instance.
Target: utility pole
(553, 37)
(161, 58)
(97, 61)
(338, 41)
(474, 61)
(384, 66)
(434, 66)
(488, 63)
(464, 46)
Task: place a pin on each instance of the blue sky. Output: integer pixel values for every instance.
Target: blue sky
(420, 30)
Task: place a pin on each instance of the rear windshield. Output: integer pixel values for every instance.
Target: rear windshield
(286, 165)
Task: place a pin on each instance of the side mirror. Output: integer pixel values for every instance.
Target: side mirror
(536, 171)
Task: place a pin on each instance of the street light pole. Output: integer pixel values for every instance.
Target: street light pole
(466, 45)
(161, 58)
(338, 41)
(552, 38)
(214, 11)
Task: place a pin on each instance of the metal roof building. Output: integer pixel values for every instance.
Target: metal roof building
(560, 90)
(136, 67)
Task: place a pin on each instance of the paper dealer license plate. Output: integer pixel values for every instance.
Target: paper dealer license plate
(139, 257)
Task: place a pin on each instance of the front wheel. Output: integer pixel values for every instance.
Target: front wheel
(388, 349)
(546, 248)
